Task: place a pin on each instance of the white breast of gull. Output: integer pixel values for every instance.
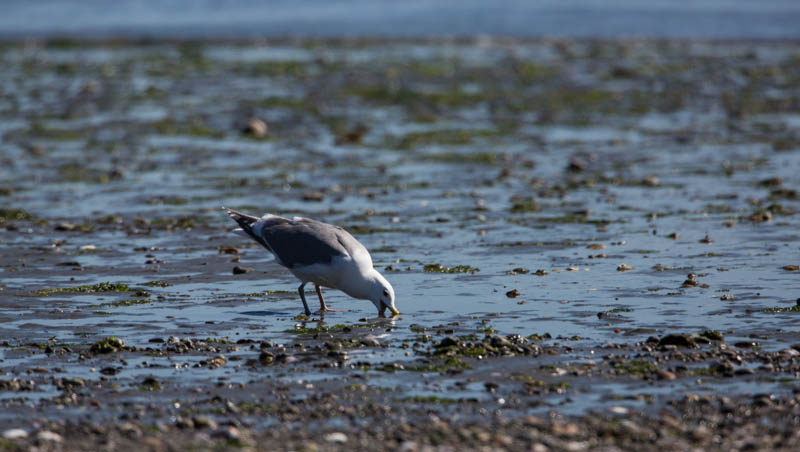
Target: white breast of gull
(319, 253)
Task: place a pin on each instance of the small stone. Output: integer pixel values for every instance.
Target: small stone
(15, 433)
(722, 367)
(336, 437)
(713, 335)
(204, 422)
(65, 227)
(621, 410)
(266, 357)
(500, 342)
(651, 181)
(665, 375)
(129, 429)
(48, 436)
(73, 381)
(227, 433)
(370, 342)
(238, 270)
(679, 340)
(256, 127)
(624, 268)
(314, 196)
(727, 297)
(512, 293)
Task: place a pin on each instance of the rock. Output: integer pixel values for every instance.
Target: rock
(314, 196)
(665, 375)
(624, 268)
(512, 293)
(713, 335)
(449, 342)
(204, 422)
(227, 433)
(336, 437)
(722, 367)
(65, 227)
(108, 345)
(500, 342)
(129, 429)
(15, 433)
(266, 357)
(256, 127)
(49, 437)
(577, 165)
(184, 423)
(620, 410)
(110, 370)
(679, 340)
(151, 382)
(238, 270)
(370, 342)
(77, 382)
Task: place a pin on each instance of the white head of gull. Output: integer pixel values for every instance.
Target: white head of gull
(319, 253)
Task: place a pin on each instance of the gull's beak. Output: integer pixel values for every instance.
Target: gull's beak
(384, 307)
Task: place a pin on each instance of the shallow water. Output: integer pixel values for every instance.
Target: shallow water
(139, 147)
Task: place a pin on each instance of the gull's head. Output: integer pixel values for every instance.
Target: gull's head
(383, 295)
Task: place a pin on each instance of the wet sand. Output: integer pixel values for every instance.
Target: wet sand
(593, 244)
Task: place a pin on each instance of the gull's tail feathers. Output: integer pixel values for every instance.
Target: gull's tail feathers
(245, 229)
(245, 221)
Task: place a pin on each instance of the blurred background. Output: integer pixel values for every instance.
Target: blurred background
(771, 19)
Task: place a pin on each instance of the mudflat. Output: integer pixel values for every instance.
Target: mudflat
(594, 244)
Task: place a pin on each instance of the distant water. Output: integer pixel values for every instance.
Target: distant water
(730, 19)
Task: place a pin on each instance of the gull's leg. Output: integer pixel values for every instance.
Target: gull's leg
(322, 306)
(303, 297)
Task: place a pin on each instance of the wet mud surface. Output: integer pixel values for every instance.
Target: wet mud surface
(594, 244)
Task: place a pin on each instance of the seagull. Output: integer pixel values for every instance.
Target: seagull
(319, 253)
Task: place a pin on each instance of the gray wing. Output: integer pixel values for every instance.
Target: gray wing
(304, 241)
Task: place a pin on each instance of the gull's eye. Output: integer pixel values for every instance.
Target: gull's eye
(385, 293)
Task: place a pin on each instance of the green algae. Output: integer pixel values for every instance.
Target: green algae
(96, 288)
(327, 329)
(16, 214)
(128, 302)
(445, 137)
(439, 268)
(109, 344)
(637, 367)
(157, 283)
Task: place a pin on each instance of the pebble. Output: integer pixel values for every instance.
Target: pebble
(665, 375)
(621, 410)
(227, 433)
(370, 342)
(204, 422)
(48, 436)
(238, 270)
(256, 127)
(15, 433)
(336, 437)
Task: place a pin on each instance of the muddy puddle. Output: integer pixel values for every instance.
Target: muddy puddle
(571, 227)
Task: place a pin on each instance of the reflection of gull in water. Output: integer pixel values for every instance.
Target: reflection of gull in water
(319, 253)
